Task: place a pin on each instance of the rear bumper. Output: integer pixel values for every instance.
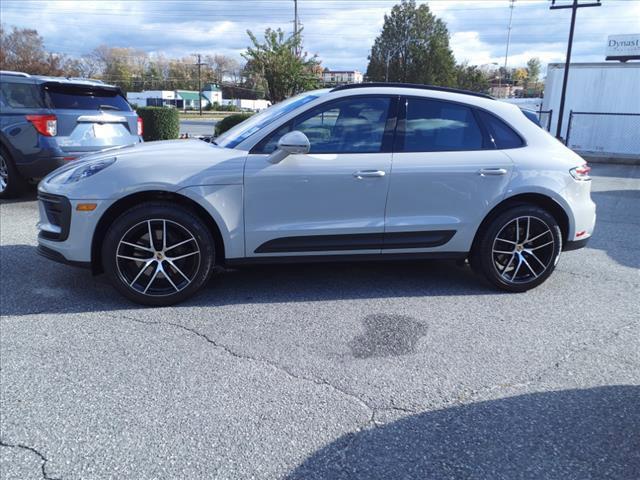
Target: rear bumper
(41, 167)
(575, 244)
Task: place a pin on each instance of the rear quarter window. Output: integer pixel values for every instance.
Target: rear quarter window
(20, 95)
(85, 98)
(502, 135)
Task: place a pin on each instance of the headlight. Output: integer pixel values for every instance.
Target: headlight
(72, 174)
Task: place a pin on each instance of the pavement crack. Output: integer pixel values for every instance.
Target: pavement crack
(315, 380)
(469, 395)
(43, 459)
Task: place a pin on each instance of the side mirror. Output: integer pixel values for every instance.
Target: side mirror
(292, 143)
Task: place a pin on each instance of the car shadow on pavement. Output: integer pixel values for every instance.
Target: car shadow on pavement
(571, 434)
(32, 284)
(618, 211)
(29, 196)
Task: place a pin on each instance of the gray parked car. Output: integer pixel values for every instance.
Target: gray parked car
(46, 122)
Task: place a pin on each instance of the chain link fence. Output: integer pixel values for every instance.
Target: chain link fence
(604, 133)
(545, 116)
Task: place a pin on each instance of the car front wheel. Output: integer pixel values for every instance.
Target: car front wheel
(518, 249)
(158, 254)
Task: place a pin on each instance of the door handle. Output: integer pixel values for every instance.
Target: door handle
(369, 174)
(484, 172)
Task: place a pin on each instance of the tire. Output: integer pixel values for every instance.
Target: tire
(158, 275)
(517, 262)
(12, 184)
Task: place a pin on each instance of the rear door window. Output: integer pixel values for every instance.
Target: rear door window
(502, 135)
(74, 97)
(437, 126)
(21, 95)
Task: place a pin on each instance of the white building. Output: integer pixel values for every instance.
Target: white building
(188, 99)
(153, 98)
(594, 89)
(181, 99)
(341, 76)
(248, 104)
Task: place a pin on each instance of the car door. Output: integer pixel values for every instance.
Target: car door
(447, 174)
(331, 200)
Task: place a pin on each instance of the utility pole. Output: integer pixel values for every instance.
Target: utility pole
(506, 55)
(574, 6)
(295, 23)
(199, 64)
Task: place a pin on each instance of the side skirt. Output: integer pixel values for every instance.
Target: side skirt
(359, 241)
(376, 257)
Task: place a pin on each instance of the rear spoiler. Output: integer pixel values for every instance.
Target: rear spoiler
(85, 86)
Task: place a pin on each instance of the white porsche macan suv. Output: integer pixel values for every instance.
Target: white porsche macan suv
(359, 172)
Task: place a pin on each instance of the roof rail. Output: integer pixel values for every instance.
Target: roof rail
(15, 74)
(411, 85)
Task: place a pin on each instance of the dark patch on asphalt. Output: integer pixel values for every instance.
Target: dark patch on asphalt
(387, 336)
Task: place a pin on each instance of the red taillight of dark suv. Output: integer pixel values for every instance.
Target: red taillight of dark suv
(46, 125)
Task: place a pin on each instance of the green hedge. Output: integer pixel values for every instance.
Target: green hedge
(231, 121)
(159, 123)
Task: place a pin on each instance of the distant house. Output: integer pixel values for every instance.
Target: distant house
(188, 99)
(337, 77)
(212, 93)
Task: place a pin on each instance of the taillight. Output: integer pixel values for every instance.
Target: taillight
(140, 127)
(46, 125)
(581, 172)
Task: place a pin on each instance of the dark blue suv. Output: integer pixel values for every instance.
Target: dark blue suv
(48, 121)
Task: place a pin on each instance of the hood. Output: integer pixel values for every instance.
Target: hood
(150, 148)
(164, 165)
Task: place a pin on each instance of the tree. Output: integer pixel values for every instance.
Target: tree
(413, 47)
(534, 68)
(282, 71)
(520, 76)
(223, 67)
(471, 77)
(22, 49)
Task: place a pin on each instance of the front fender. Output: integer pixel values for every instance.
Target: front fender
(224, 204)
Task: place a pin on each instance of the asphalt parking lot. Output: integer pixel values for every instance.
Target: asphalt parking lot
(366, 371)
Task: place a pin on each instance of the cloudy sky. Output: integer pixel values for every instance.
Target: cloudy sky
(341, 32)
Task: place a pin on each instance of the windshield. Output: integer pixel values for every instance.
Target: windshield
(244, 130)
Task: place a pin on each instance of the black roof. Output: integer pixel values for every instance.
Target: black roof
(411, 85)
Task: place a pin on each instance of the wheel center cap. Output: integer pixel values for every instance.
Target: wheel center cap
(519, 248)
(159, 256)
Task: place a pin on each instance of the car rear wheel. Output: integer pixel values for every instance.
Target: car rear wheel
(519, 249)
(158, 254)
(11, 183)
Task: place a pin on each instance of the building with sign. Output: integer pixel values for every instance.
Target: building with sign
(623, 47)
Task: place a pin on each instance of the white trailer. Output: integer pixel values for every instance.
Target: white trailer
(605, 99)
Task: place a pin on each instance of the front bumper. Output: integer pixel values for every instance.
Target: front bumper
(64, 233)
(58, 257)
